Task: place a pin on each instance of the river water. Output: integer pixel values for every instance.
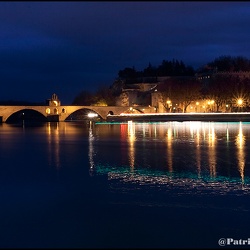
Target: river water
(124, 185)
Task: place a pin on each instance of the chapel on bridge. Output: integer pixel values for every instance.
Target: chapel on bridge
(54, 101)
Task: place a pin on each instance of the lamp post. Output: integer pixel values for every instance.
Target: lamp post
(168, 105)
(209, 108)
(212, 102)
(211, 105)
(226, 107)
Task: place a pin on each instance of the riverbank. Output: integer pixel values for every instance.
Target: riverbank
(158, 117)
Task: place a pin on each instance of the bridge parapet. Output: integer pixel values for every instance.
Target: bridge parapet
(64, 111)
(53, 110)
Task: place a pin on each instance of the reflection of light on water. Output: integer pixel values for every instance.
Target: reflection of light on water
(194, 127)
(53, 143)
(131, 128)
(212, 150)
(169, 150)
(204, 132)
(124, 135)
(227, 135)
(181, 185)
(144, 130)
(155, 131)
(240, 143)
(204, 142)
(91, 149)
(131, 140)
(211, 135)
(198, 151)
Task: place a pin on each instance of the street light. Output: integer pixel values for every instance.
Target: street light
(212, 102)
(169, 105)
(239, 102)
(209, 107)
(92, 115)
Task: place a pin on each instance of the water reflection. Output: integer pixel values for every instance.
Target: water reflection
(91, 149)
(62, 138)
(240, 143)
(212, 150)
(195, 153)
(131, 140)
(169, 150)
(123, 134)
(198, 150)
(53, 137)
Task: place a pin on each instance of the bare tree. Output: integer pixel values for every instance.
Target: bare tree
(166, 93)
(187, 90)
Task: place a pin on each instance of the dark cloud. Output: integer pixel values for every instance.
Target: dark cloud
(67, 47)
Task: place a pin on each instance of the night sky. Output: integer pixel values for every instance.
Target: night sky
(68, 47)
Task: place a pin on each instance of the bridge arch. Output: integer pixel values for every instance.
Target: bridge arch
(102, 111)
(25, 114)
(81, 114)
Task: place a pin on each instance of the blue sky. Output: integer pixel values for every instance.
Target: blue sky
(67, 47)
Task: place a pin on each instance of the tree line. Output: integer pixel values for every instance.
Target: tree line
(220, 88)
(178, 68)
(166, 68)
(223, 89)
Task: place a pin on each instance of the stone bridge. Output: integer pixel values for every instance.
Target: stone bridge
(63, 112)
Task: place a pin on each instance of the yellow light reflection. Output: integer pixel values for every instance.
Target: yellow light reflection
(53, 144)
(227, 135)
(198, 151)
(169, 150)
(194, 128)
(240, 143)
(131, 140)
(124, 137)
(155, 131)
(143, 130)
(212, 150)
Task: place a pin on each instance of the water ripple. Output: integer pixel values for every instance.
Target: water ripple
(182, 183)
